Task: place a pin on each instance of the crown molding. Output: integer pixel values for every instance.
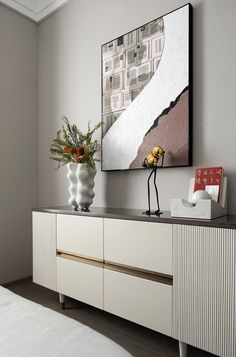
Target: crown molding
(35, 10)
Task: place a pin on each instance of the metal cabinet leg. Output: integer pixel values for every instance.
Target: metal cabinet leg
(182, 349)
(62, 301)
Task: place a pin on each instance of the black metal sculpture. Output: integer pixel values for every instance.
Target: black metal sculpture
(151, 161)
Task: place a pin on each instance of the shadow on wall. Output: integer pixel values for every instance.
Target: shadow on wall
(122, 189)
(127, 189)
(198, 124)
(117, 189)
(231, 189)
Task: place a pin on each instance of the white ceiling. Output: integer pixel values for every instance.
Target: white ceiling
(36, 10)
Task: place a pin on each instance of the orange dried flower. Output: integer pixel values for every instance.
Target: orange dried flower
(80, 151)
(68, 150)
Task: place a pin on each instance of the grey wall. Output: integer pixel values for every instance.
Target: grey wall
(18, 142)
(69, 83)
(62, 55)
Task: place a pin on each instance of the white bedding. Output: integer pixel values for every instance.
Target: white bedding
(31, 330)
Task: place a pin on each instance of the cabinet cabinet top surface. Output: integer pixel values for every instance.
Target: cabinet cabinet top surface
(228, 221)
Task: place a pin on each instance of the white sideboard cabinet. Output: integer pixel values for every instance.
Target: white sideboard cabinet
(175, 276)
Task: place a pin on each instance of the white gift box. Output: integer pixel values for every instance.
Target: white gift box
(204, 209)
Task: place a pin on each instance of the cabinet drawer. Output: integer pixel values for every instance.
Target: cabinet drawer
(143, 245)
(142, 301)
(80, 235)
(80, 281)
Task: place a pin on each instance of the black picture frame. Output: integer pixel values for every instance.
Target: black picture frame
(119, 42)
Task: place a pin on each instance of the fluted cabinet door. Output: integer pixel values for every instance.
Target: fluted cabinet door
(204, 298)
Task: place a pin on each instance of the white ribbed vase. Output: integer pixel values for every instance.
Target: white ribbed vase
(85, 184)
(71, 175)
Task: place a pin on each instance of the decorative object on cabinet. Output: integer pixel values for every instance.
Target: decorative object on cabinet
(77, 150)
(151, 161)
(85, 184)
(198, 206)
(200, 195)
(81, 179)
(71, 175)
(71, 145)
(209, 179)
(147, 92)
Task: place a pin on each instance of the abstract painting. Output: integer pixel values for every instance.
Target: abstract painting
(147, 93)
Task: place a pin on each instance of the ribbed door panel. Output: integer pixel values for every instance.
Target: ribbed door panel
(204, 264)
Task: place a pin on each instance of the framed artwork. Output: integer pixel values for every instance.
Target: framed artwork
(147, 93)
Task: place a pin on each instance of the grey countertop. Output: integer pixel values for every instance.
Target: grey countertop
(228, 221)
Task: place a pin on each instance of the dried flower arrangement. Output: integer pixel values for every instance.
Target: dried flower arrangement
(71, 145)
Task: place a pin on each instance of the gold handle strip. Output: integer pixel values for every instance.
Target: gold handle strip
(79, 259)
(120, 268)
(140, 273)
(60, 251)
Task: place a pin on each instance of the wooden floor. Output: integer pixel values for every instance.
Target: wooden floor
(139, 341)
